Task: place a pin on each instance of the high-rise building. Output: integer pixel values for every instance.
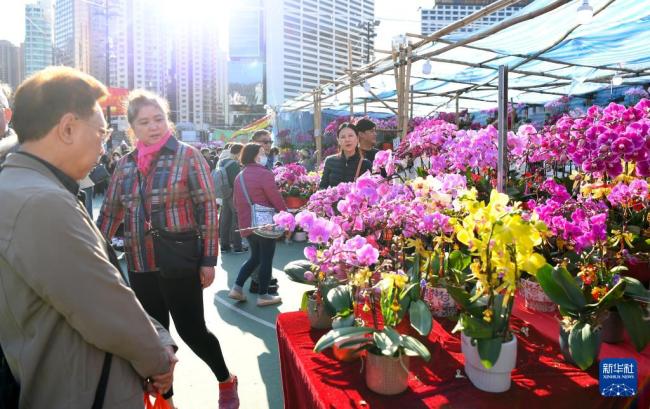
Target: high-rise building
(72, 34)
(135, 41)
(37, 48)
(10, 66)
(246, 68)
(445, 12)
(197, 62)
(307, 43)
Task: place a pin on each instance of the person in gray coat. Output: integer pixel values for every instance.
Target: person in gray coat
(65, 311)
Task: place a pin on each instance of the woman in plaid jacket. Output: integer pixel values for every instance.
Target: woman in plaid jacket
(174, 180)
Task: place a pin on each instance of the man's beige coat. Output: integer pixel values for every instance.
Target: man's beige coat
(62, 303)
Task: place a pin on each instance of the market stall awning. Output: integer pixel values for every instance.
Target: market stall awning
(549, 55)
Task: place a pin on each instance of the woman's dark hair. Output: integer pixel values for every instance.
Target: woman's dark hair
(346, 125)
(249, 153)
(275, 151)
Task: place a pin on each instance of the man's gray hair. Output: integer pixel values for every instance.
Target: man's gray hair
(5, 92)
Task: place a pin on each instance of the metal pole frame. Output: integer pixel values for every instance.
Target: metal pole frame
(502, 164)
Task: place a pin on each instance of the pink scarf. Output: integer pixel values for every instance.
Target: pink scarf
(146, 153)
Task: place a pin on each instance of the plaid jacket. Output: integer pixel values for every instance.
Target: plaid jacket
(179, 195)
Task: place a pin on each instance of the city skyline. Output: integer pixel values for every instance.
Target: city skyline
(396, 18)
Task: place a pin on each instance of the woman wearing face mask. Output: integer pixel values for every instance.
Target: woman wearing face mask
(347, 165)
(259, 183)
(165, 185)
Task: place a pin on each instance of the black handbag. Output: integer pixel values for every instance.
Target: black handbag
(177, 254)
(99, 174)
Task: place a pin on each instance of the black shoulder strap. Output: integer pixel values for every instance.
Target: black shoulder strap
(100, 394)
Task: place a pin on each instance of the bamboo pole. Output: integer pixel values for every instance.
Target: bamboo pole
(457, 109)
(383, 102)
(317, 127)
(498, 27)
(351, 80)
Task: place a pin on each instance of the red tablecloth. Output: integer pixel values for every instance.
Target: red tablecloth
(541, 379)
(548, 326)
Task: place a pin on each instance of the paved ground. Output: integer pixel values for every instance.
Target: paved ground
(247, 337)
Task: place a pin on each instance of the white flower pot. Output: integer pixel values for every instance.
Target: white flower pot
(387, 375)
(496, 379)
(440, 302)
(535, 299)
(300, 236)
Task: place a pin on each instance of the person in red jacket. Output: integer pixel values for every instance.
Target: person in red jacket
(260, 185)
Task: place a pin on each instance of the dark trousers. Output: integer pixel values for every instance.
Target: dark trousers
(183, 298)
(262, 252)
(228, 234)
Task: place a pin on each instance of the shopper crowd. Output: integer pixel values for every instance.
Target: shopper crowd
(77, 331)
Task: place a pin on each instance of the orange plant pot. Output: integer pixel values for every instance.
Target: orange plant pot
(295, 202)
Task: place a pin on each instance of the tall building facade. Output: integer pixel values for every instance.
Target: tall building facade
(246, 68)
(10, 65)
(197, 62)
(72, 34)
(134, 44)
(307, 43)
(37, 48)
(445, 12)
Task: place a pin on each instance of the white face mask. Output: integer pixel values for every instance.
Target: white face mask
(262, 159)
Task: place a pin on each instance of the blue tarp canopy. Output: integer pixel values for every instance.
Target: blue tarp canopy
(549, 56)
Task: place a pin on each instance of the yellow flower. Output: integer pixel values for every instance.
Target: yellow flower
(487, 315)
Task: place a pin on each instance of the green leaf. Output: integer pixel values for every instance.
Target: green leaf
(488, 350)
(570, 287)
(554, 290)
(634, 289)
(387, 341)
(340, 297)
(412, 345)
(612, 296)
(421, 318)
(462, 298)
(583, 344)
(340, 335)
(406, 290)
(476, 327)
(305, 300)
(342, 322)
(354, 342)
(633, 316)
(459, 261)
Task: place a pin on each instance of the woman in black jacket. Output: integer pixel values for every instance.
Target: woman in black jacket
(347, 165)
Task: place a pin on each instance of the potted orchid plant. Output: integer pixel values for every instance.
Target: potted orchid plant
(501, 240)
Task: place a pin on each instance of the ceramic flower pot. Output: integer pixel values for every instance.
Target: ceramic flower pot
(612, 328)
(293, 202)
(535, 299)
(318, 316)
(496, 379)
(300, 236)
(387, 375)
(440, 302)
(564, 345)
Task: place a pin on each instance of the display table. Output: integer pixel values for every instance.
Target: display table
(548, 326)
(541, 380)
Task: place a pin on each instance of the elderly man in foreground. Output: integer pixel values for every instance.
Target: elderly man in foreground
(72, 331)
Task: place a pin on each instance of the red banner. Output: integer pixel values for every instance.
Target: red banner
(116, 99)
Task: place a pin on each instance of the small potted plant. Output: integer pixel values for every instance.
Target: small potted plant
(501, 240)
(584, 303)
(388, 351)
